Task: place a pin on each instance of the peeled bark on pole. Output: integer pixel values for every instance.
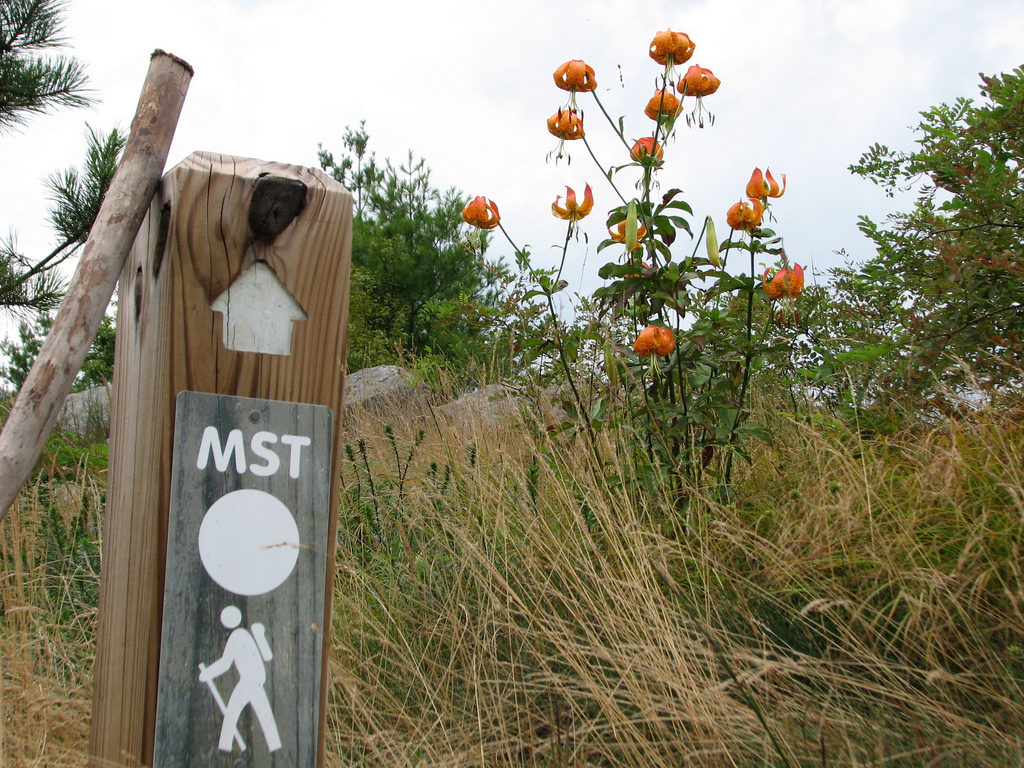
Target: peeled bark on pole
(40, 399)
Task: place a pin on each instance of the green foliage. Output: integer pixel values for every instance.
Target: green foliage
(375, 325)
(947, 282)
(77, 196)
(376, 529)
(682, 413)
(409, 253)
(98, 368)
(22, 353)
(29, 83)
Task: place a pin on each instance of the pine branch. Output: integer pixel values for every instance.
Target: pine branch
(30, 84)
(77, 199)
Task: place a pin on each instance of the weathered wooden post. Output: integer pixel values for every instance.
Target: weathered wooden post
(60, 359)
(236, 295)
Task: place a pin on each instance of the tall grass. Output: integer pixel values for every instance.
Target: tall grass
(49, 589)
(497, 603)
(859, 605)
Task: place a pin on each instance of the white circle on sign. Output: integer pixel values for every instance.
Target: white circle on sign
(248, 542)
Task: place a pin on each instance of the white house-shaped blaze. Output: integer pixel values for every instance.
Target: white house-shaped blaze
(258, 312)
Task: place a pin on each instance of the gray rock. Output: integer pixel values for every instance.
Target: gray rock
(497, 403)
(490, 403)
(384, 391)
(87, 413)
(388, 393)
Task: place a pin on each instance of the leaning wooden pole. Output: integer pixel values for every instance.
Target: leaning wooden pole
(40, 399)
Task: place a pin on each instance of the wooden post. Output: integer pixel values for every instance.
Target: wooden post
(217, 222)
(39, 400)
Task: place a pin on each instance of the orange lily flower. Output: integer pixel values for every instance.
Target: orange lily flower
(670, 47)
(481, 213)
(762, 188)
(566, 125)
(572, 210)
(646, 146)
(786, 284)
(745, 215)
(663, 103)
(575, 75)
(698, 81)
(654, 340)
(619, 233)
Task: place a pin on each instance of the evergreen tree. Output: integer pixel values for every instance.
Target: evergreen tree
(408, 251)
(20, 354)
(29, 82)
(77, 196)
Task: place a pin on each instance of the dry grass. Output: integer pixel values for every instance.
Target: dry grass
(499, 605)
(49, 554)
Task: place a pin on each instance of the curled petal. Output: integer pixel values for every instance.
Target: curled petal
(572, 210)
(762, 186)
(698, 81)
(654, 340)
(646, 146)
(566, 125)
(774, 190)
(663, 103)
(746, 214)
(788, 283)
(588, 201)
(575, 75)
(481, 213)
(670, 47)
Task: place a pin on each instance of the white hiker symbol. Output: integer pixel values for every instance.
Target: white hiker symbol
(247, 651)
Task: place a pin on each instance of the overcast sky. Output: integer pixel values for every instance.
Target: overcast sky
(807, 86)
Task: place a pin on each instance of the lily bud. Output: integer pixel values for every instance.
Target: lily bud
(631, 230)
(711, 241)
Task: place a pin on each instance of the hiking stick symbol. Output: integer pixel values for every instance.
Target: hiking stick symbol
(221, 706)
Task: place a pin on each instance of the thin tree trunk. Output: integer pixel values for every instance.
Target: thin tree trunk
(41, 398)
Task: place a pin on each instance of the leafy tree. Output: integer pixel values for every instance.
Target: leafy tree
(408, 251)
(29, 83)
(947, 281)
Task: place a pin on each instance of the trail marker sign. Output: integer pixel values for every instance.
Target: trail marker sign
(237, 285)
(242, 642)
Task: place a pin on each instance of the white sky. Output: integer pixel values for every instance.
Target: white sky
(807, 86)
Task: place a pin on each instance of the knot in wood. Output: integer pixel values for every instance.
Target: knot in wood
(275, 202)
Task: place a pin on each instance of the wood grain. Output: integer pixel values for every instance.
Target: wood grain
(188, 721)
(195, 241)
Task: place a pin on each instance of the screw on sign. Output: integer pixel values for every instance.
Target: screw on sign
(245, 582)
